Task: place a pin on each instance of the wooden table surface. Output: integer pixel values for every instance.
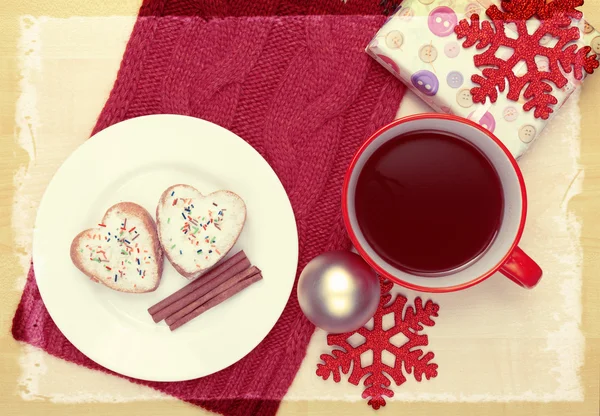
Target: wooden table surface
(12, 158)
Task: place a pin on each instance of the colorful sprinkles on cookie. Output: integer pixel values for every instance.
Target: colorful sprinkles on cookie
(197, 230)
(196, 223)
(121, 252)
(121, 244)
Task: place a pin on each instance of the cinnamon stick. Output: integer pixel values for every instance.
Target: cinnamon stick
(211, 294)
(216, 300)
(201, 280)
(206, 287)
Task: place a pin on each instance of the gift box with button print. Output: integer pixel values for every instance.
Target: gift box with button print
(461, 61)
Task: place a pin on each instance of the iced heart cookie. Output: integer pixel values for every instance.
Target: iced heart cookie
(123, 253)
(196, 231)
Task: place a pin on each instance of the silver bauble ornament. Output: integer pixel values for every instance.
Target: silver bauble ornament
(338, 291)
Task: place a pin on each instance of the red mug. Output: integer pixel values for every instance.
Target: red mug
(503, 255)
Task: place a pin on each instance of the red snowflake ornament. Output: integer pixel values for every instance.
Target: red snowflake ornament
(555, 21)
(378, 340)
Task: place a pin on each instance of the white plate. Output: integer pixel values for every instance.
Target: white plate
(136, 160)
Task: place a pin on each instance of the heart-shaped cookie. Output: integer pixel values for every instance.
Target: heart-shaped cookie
(123, 253)
(196, 231)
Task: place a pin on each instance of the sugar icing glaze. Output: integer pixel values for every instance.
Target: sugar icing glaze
(121, 251)
(196, 231)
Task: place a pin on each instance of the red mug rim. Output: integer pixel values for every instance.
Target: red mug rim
(372, 262)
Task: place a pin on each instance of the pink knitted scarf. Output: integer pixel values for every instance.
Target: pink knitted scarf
(301, 91)
(238, 8)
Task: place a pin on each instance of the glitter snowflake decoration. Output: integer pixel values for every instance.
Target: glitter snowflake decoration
(556, 22)
(378, 339)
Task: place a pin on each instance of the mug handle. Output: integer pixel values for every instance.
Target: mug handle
(521, 269)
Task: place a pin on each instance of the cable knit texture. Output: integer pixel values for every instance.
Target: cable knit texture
(237, 8)
(302, 92)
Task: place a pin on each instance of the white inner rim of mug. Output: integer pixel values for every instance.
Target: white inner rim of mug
(511, 219)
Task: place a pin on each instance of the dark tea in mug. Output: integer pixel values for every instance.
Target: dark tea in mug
(428, 202)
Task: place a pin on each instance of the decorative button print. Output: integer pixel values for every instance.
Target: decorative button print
(452, 49)
(471, 9)
(595, 44)
(389, 63)
(487, 121)
(425, 82)
(442, 21)
(394, 39)
(406, 13)
(510, 113)
(464, 98)
(428, 53)
(527, 133)
(455, 79)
